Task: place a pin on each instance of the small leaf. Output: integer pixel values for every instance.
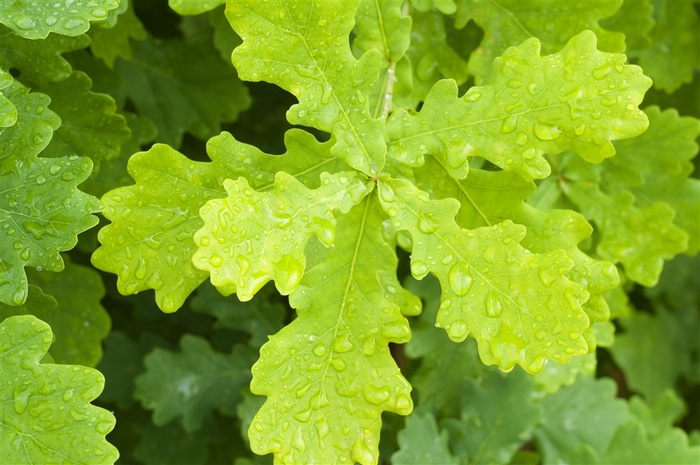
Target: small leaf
(192, 383)
(45, 408)
(34, 20)
(518, 305)
(303, 47)
(534, 105)
(334, 357)
(510, 22)
(39, 61)
(421, 443)
(92, 129)
(182, 87)
(250, 238)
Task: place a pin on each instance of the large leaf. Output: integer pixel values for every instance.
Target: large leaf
(518, 305)
(578, 99)
(35, 20)
(334, 358)
(45, 408)
(250, 238)
(303, 47)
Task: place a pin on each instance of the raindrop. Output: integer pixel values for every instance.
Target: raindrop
(545, 132)
(320, 349)
(216, 260)
(494, 307)
(460, 279)
(50, 21)
(509, 124)
(546, 276)
(419, 269)
(537, 364)
(25, 22)
(375, 395)
(458, 330)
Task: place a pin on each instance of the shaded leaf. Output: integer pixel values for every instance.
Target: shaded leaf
(45, 409)
(422, 444)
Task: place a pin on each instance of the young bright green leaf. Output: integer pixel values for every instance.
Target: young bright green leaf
(518, 305)
(490, 197)
(334, 358)
(497, 417)
(108, 43)
(510, 22)
(8, 111)
(35, 20)
(250, 238)
(40, 61)
(303, 47)
(382, 26)
(305, 159)
(41, 214)
(149, 243)
(585, 413)
(182, 87)
(674, 53)
(193, 383)
(45, 409)
(422, 444)
(578, 99)
(92, 129)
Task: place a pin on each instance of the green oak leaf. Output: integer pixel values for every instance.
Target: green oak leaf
(92, 129)
(586, 412)
(194, 7)
(444, 6)
(45, 408)
(634, 19)
(445, 369)
(420, 442)
(8, 111)
(655, 166)
(653, 350)
(39, 61)
(72, 308)
(192, 383)
(431, 56)
(497, 417)
(674, 53)
(535, 105)
(490, 197)
(334, 358)
(182, 87)
(510, 22)
(35, 20)
(303, 47)
(173, 445)
(149, 243)
(639, 238)
(259, 318)
(108, 43)
(518, 305)
(250, 237)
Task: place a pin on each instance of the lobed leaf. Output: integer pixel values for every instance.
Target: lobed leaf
(35, 20)
(421, 442)
(578, 99)
(510, 22)
(45, 409)
(518, 305)
(303, 47)
(192, 383)
(39, 61)
(8, 111)
(182, 87)
(250, 238)
(149, 243)
(111, 42)
(194, 7)
(334, 358)
(92, 129)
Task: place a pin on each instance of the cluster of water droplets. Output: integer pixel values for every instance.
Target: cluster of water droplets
(71, 17)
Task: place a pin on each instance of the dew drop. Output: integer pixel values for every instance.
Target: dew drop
(458, 330)
(509, 124)
(51, 20)
(40, 180)
(216, 260)
(55, 169)
(25, 22)
(460, 279)
(546, 276)
(545, 132)
(319, 350)
(537, 364)
(419, 269)
(494, 307)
